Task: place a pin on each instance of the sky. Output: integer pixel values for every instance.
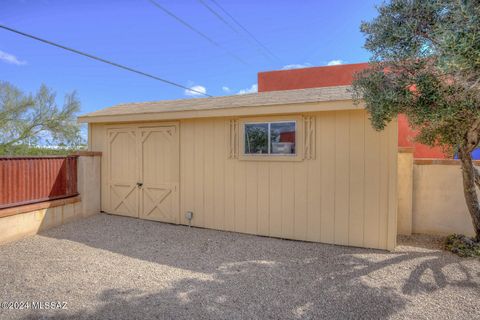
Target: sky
(136, 33)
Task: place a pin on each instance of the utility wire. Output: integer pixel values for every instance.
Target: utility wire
(228, 24)
(219, 16)
(101, 59)
(245, 29)
(192, 28)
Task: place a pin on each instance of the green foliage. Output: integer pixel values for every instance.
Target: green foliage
(33, 120)
(425, 64)
(461, 46)
(25, 150)
(462, 246)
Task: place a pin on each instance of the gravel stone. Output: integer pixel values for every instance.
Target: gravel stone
(110, 267)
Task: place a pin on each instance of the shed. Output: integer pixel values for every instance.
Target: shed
(298, 164)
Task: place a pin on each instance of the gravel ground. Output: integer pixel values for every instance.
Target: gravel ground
(109, 267)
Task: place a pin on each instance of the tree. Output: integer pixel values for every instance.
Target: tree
(30, 120)
(256, 140)
(426, 64)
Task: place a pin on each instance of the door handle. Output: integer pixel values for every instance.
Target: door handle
(139, 184)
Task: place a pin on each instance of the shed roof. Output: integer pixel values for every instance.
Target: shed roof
(189, 108)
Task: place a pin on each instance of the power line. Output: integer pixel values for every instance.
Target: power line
(101, 59)
(245, 29)
(219, 16)
(192, 28)
(228, 24)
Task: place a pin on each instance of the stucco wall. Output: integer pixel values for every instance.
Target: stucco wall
(28, 223)
(17, 223)
(437, 202)
(406, 139)
(405, 190)
(88, 178)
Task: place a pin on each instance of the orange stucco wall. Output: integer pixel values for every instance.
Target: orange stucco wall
(405, 139)
(308, 77)
(337, 76)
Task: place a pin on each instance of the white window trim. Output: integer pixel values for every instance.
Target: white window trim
(269, 137)
(297, 156)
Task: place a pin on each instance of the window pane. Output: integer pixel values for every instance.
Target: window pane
(256, 138)
(282, 135)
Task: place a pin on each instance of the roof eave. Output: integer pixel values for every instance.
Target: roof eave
(333, 105)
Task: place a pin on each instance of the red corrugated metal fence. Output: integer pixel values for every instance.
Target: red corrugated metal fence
(25, 180)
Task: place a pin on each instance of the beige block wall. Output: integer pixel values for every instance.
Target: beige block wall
(30, 222)
(89, 173)
(25, 224)
(405, 192)
(431, 197)
(438, 202)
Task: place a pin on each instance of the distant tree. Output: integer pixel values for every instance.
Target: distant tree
(33, 120)
(426, 64)
(29, 150)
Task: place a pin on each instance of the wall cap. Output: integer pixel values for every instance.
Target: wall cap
(37, 157)
(406, 149)
(38, 206)
(88, 153)
(441, 162)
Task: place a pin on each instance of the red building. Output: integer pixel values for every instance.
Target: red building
(337, 76)
(288, 136)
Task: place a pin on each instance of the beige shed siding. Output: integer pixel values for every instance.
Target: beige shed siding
(345, 195)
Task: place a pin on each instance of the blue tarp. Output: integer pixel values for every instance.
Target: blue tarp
(475, 154)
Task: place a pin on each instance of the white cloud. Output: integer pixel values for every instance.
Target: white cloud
(335, 62)
(253, 89)
(226, 89)
(196, 91)
(296, 66)
(10, 58)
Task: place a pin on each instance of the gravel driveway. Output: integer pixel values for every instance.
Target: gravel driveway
(110, 267)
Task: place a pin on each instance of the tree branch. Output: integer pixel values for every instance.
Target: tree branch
(472, 136)
(29, 132)
(477, 177)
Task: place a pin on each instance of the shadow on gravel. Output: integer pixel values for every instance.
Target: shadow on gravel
(251, 277)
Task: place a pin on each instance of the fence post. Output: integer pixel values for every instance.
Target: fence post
(405, 190)
(88, 181)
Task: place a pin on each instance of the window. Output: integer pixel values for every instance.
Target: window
(270, 138)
